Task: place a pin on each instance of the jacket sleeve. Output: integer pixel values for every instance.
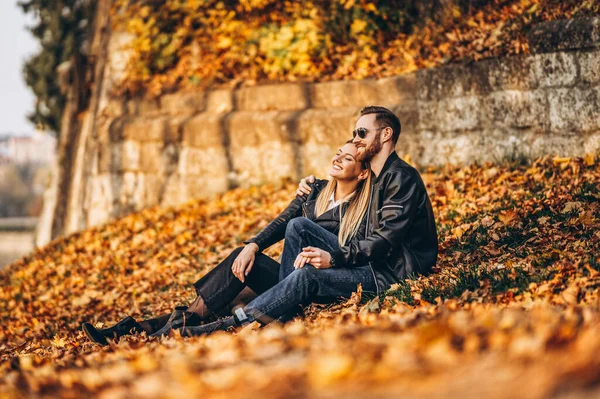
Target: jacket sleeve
(400, 203)
(275, 231)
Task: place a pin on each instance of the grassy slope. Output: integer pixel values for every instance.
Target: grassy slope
(512, 310)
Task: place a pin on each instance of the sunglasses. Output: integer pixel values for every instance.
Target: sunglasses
(362, 131)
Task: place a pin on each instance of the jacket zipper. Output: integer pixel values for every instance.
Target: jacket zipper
(389, 206)
(366, 234)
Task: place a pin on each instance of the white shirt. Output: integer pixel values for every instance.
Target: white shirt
(332, 203)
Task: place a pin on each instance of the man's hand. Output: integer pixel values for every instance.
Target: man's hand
(244, 261)
(315, 256)
(303, 187)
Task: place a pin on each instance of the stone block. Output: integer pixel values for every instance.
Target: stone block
(280, 97)
(135, 191)
(591, 144)
(179, 189)
(130, 190)
(428, 115)
(565, 34)
(104, 158)
(255, 128)
(152, 186)
(125, 156)
(148, 106)
(99, 200)
(321, 133)
(512, 73)
(316, 158)
(205, 186)
(151, 159)
(93, 161)
(219, 101)
(332, 127)
(142, 129)
(143, 106)
(408, 115)
(175, 191)
(450, 147)
(131, 107)
(452, 81)
(589, 109)
(589, 67)
(204, 130)
(410, 145)
(516, 108)
(174, 129)
(262, 146)
(556, 144)
(457, 114)
(501, 144)
(574, 110)
(204, 161)
(555, 69)
(114, 128)
(183, 102)
(119, 54)
(111, 107)
(360, 93)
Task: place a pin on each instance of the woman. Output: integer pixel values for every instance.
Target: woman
(337, 206)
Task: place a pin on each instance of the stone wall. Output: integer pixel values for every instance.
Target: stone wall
(190, 144)
(516, 107)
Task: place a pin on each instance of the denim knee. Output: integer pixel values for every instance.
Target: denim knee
(307, 276)
(296, 225)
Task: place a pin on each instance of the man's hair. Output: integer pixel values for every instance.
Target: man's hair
(384, 117)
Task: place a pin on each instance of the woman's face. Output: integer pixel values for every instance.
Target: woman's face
(344, 165)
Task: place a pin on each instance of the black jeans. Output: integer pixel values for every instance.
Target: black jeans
(220, 286)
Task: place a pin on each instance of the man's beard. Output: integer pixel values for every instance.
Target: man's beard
(371, 150)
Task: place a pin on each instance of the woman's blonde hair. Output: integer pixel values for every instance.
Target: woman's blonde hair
(357, 207)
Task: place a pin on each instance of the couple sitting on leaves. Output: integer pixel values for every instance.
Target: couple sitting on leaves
(370, 224)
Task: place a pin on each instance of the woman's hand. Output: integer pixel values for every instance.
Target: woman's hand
(315, 256)
(244, 261)
(300, 261)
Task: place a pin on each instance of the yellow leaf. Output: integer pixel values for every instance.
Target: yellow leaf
(589, 159)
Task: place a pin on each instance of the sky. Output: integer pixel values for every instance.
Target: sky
(16, 45)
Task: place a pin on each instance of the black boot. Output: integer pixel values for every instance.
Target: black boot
(124, 327)
(222, 324)
(179, 318)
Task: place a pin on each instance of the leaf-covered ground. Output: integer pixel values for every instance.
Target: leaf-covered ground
(512, 310)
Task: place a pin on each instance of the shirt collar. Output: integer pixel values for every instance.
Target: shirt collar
(333, 203)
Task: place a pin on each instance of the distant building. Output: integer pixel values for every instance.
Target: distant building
(36, 148)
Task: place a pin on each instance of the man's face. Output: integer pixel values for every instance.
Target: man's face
(370, 145)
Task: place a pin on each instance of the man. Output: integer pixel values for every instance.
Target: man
(401, 235)
(399, 239)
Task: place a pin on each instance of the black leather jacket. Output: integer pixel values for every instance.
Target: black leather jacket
(300, 206)
(401, 234)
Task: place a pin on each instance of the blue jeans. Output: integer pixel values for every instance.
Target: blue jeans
(307, 284)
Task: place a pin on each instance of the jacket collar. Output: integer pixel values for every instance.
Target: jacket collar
(330, 214)
(393, 157)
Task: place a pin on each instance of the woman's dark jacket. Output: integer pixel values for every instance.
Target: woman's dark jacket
(300, 206)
